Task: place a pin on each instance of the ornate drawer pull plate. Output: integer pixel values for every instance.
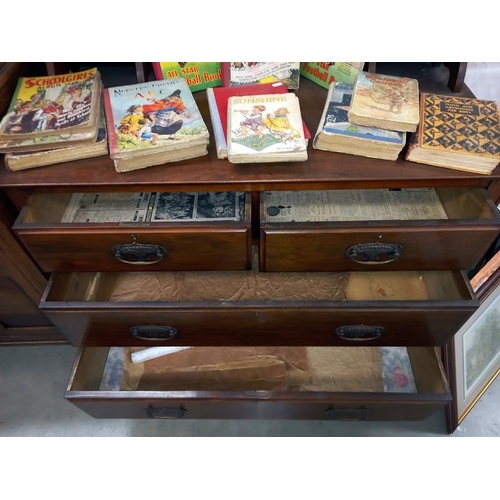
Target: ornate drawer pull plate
(374, 253)
(139, 254)
(153, 332)
(165, 413)
(359, 332)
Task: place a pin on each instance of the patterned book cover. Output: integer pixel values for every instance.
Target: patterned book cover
(46, 105)
(247, 73)
(198, 75)
(335, 118)
(269, 123)
(152, 115)
(459, 125)
(386, 98)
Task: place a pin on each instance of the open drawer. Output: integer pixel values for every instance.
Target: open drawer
(244, 308)
(137, 231)
(377, 392)
(384, 229)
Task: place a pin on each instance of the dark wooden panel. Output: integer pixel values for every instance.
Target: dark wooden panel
(435, 246)
(16, 308)
(32, 335)
(90, 249)
(405, 323)
(315, 407)
(9, 73)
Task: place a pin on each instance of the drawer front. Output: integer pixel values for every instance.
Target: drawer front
(383, 248)
(136, 249)
(287, 325)
(253, 308)
(140, 406)
(85, 382)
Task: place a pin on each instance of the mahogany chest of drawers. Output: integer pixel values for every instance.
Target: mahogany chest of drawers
(266, 283)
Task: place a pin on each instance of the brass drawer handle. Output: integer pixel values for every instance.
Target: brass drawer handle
(374, 253)
(165, 413)
(359, 332)
(139, 254)
(153, 332)
(347, 413)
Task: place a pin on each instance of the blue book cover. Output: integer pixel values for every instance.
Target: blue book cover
(336, 121)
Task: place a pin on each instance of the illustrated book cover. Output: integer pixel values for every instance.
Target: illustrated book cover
(247, 73)
(324, 73)
(383, 101)
(218, 104)
(50, 105)
(336, 133)
(154, 116)
(23, 160)
(198, 75)
(457, 132)
(265, 128)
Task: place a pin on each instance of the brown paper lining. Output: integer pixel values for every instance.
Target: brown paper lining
(258, 368)
(225, 286)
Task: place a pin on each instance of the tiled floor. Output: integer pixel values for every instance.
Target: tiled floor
(33, 381)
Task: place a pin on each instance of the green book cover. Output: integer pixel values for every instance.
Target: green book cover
(198, 75)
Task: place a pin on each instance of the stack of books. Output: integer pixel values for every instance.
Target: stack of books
(369, 118)
(153, 123)
(386, 102)
(54, 119)
(265, 128)
(218, 102)
(457, 133)
(336, 133)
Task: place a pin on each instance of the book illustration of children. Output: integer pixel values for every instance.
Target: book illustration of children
(132, 122)
(279, 124)
(145, 133)
(15, 121)
(253, 121)
(168, 114)
(46, 114)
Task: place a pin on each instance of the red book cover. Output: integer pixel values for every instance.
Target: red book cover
(108, 112)
(217, 103)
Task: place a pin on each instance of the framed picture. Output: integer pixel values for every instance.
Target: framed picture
(477, 354)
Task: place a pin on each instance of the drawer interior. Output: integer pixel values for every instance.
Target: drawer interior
(377, 204)
(254, 286)
(290, 369)
(71, 208)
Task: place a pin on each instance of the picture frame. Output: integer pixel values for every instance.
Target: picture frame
(476, 352)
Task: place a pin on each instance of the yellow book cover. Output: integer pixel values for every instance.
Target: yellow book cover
(51, 105)
(389, 102)
(459, 125)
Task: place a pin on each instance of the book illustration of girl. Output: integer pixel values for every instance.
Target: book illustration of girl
(279, 124)
(132, 122)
